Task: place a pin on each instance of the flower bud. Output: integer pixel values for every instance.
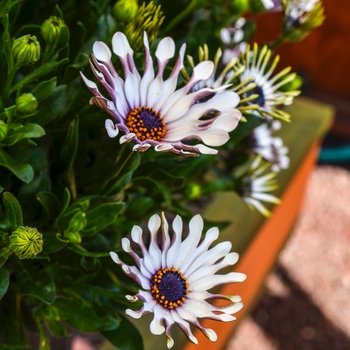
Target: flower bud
(125, 10)
(77, 222)
(3, 130)
(26, 242)
(148, 19)
(26, 50)
(51, 28)
(192, 191)
(239, 6)
(26, 103)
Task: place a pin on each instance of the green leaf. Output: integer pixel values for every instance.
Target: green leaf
(13, 210)
(7, 46)
(69, 151)
(52, 106)
(52, 243)
(82, 251)
(44, 70)
(18, 132)
(83, 317)
(44, 89)
(34, 281)
(103, 216)
(4, 281)
(50, 203)
(22, 170)
(120, 337)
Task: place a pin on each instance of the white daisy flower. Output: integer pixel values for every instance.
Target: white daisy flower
(228, 77)
(268, 4)
(150, 111)
(259, 69)
(297, 10)
(176, 275)
(254, 187)
(271, 148)
(232, 38)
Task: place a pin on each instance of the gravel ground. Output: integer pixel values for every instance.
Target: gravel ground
(306, 300)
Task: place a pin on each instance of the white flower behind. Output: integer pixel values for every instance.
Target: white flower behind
(255, 187)
(269, 87)
(271, 148)
(151, 111)
(176, 274)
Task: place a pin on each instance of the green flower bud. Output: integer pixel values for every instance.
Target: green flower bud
(51, 28)
(149, 18)
(26, 103)
(26, 242)
(239, 6)
(3, 130)
(26, 50)
(192, 191)
(77, 222)
(125, 10)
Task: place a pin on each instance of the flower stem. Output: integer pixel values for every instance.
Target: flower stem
(186, 12)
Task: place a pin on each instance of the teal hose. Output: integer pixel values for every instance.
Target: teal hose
(335, 154)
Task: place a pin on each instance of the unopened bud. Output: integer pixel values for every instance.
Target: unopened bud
(26, 50)
(26, 242)
(51, 28)
(26, 103)
(148, 19)
(192, 191)
(125, 10)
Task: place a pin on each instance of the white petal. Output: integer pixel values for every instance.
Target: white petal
(191, 241)
(101, 51)
(120, 45)
(216, 280)
(174, 248)
(111, 129)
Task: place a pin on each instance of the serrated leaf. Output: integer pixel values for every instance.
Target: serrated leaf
(4, 281)
(44, 89)
(103, 216)
(13, 210)
(34, 281)
(22, 170)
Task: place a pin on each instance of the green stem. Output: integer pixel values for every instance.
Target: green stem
(186, 12)
(279, 41)
(120, 168)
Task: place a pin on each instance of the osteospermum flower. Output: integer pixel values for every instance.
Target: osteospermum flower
(233, 40)
(268, 87)
(300, 17)
(255, 187)
(228, 78)
(271, 148)
(150, 111)
(175, 276)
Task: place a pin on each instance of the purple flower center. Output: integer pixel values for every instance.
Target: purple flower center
(259, 91)
(146, 124)
(169, 288)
